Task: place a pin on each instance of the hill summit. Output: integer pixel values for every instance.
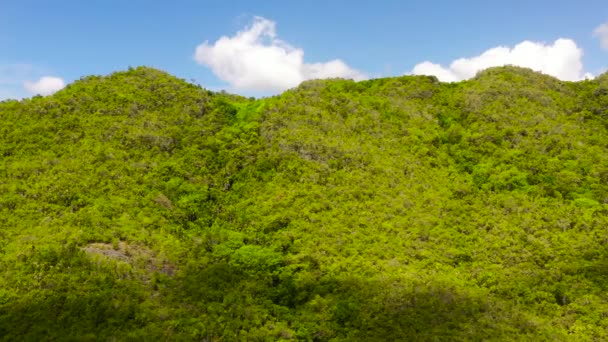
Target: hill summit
(137, 206)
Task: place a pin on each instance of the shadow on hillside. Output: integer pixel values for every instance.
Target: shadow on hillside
(360, 310)
(422, 311)
(72, 315)
(595, 270)
(219, 302)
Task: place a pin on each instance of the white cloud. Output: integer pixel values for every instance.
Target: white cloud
(255, 59)
(428, 68)
(46, 85)
(562, 59)
(602, 33)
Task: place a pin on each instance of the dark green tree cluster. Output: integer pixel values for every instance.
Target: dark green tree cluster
(137, 206)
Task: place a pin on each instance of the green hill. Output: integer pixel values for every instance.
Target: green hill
(137, 206)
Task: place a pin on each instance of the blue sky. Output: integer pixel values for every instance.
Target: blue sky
(45, 44)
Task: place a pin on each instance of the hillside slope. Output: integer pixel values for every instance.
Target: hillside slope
(138, 206)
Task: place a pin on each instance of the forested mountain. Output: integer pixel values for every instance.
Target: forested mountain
(137, 206)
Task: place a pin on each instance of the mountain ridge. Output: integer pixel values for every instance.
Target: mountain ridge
(139, 206)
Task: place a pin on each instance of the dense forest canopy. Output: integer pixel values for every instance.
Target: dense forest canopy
(137, 206)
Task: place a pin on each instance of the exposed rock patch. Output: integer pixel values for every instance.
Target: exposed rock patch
(136, 255)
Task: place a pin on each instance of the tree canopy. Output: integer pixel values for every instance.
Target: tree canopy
(137, 206)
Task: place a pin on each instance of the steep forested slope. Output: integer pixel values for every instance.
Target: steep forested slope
(138, 206)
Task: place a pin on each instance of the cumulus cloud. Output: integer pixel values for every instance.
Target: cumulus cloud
(601, 32)
(562, 59)
(46, 85)
(255, 59)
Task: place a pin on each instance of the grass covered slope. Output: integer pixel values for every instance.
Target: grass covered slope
(139, 206)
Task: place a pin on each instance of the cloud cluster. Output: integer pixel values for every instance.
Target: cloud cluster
(562, 59)
(46, 85)
(601, 32)
(255, 59)
(14, 82)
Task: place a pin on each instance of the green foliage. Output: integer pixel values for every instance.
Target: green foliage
(256, 260)
(136, 206)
